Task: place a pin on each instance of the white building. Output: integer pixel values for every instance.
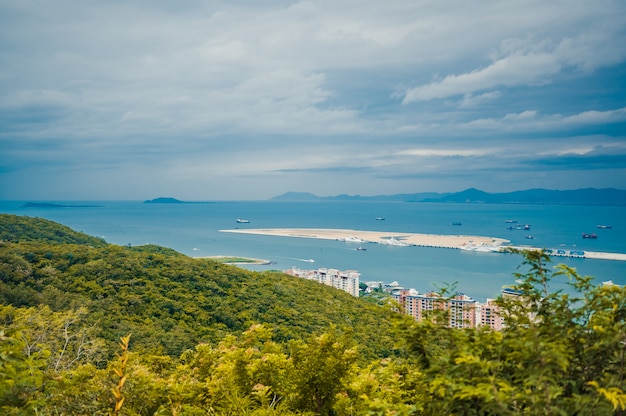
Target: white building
(347, 280)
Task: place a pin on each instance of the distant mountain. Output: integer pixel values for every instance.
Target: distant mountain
(163, 200)
(307, 196)
(587, 196)
(296, 196)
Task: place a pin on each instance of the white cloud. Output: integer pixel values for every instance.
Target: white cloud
(531, 121)
(513, 70)
(525, 115)
(423, 152)
(471, 100)
(596, 117)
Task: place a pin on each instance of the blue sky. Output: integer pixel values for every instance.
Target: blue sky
(218, 100)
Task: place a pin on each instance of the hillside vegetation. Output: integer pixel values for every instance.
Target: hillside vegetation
(88, 327)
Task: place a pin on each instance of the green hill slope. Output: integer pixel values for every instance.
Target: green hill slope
(168, 301)
(16, 228)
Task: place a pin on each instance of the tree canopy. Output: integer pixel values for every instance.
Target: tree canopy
(88, 327)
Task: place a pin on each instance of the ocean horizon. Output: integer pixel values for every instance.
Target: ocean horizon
(194, 229)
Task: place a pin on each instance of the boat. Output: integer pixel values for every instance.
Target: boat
(243, 221)
(605, 227)
(480, 248)
(380, 218)
(456, 223)
(592, 235)
(510, 221)
(359, 248)
(530, 237)
(392, 241)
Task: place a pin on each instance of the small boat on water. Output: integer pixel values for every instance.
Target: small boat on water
(456, 223)
(242, 221)
(510, 221)
(392, 241)
(605, 227)
(359, 248)
(380, 218)
(592, 235)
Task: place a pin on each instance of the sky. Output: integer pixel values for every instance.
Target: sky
(246, 100)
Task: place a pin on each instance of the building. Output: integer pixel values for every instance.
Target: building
(347, 280)
(459, 310)
(488, 314)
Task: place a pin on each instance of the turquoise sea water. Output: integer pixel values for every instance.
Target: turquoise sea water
(193, 229)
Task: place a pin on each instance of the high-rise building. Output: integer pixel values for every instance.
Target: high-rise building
(347, 280)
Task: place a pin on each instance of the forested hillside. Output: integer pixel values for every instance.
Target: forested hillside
(92, 328)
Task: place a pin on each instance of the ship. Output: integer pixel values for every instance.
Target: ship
(605, 227)
(592, 235)
(480, 248)
(242, 221)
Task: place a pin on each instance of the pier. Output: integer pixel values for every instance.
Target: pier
(581, 254)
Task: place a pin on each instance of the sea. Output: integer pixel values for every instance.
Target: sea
(194, 229)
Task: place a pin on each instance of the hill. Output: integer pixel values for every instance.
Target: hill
(15, 228)
(586, 196)
(169, 301)
(164, 200)
(92, 328)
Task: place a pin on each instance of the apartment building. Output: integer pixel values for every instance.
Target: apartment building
(347, 280)
(461, 311)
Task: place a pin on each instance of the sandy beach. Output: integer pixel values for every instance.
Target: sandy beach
(479, 243)
(380, 237)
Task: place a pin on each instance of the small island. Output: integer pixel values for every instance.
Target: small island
(237, 260)
(164, 200)
(54, 205)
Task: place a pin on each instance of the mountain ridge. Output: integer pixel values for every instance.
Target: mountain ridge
(539, 196)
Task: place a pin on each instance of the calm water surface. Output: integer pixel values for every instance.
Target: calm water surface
(193, 229)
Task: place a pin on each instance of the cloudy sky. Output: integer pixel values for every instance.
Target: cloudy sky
(216, 100)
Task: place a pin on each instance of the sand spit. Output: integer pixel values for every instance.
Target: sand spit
(380, 237)
(471, 242)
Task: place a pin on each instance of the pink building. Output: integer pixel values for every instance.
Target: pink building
(489, 315)
(460, 309)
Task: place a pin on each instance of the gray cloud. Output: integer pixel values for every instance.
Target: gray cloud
(253, 99)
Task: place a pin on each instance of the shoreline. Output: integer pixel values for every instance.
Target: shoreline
(464, 242)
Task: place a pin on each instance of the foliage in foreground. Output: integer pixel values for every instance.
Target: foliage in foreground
(560, 354)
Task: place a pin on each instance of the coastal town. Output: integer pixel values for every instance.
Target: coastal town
(462, 311)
